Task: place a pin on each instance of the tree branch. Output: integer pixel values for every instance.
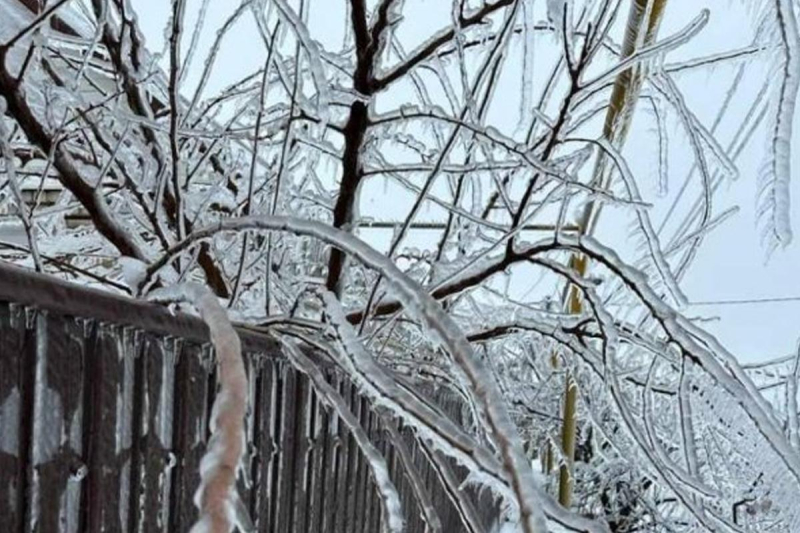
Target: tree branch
(441, 38)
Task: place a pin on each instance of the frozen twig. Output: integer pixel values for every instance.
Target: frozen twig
(216, 496)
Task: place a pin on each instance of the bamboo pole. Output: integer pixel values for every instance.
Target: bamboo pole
(569, 421)
(622, 103)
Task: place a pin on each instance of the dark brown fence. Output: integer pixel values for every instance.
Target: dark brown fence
(104, 408)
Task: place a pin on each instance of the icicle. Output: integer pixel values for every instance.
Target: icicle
(528, 49)
(663, 147)
(16, 314)
(31, 313)
(777, 172)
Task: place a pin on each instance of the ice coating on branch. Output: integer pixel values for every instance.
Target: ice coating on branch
(375, 382)
(215, 497)
(655, 50)
(704, 349)
(133, 271)
(774, 197)
(313, 54)
(528, 50)
(480, 252)
(477, 379)
(663, 149)
(645, 225)
(430, 313)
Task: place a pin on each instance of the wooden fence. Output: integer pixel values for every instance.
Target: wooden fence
(104, 408)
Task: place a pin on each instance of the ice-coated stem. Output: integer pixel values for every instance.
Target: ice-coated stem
(474, 374)
(215, 497)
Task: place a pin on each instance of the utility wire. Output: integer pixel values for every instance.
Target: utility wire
(777, 299)
(748, 301)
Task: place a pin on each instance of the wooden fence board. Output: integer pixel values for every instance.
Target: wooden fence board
(10, 401)
(316, 480)
(330, 463)
(103, 376)
(364, 486)
(301, 453)
(342, 465)
(12, 439)
(190, 413)
(263, 446)
(367, 495)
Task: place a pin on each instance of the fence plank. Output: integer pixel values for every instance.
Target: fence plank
(139, 464)
(285, 489)
(389, 454)
(264, 445)
(14, 438)
(301, 452)
(330, 463)
(189, 437)
(363, 485)
(58, 424)
(153, 435)
(343, 465)
(276, 434)
(366, 497)
(103, 373)
(316, 480)
(246, 482)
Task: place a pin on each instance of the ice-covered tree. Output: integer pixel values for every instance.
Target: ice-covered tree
(414, 189)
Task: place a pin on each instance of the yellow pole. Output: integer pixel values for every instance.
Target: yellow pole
(569, 422)
(626, 90)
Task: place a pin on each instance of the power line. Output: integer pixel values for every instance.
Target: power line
(748, 301)
(780, 299)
